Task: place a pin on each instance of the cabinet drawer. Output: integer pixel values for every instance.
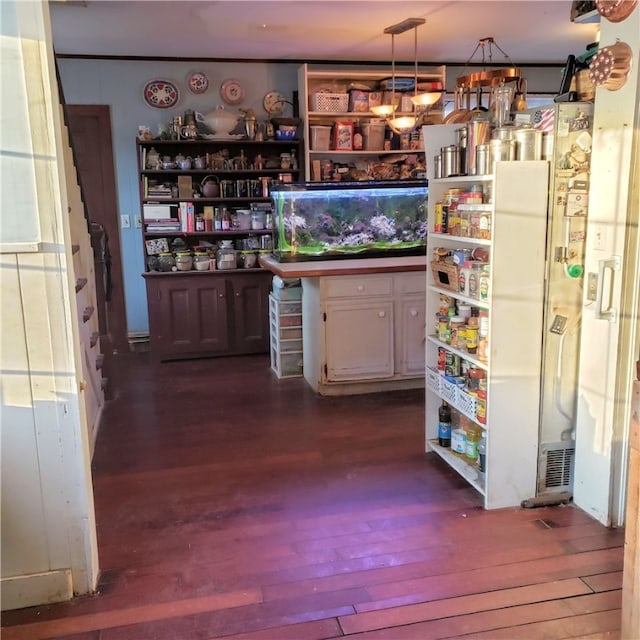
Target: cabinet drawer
(285, 307)
(286, 365)
(411, 283)
(346, 287)
(284, 346)
(286, 333)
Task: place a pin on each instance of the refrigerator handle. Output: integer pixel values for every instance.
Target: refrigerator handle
(609, 312)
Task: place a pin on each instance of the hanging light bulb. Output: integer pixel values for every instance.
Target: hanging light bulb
(404, 124)
(421, 102)
(426, 100)
(384, 110)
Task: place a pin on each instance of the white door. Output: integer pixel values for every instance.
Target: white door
(410, 336)
(359, 340)
(609, 342)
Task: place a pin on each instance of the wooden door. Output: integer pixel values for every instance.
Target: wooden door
(188, 315)
(251, 312)
(90, 133)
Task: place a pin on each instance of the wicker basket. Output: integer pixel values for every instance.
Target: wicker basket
(445, 275)
(330, 102)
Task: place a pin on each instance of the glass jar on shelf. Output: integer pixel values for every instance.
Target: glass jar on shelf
(184, 261)
(166, 262)
(226, 255)
(201, 261)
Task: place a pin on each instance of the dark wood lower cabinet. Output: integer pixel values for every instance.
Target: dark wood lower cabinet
(205, 314)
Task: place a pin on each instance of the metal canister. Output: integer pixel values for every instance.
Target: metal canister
(482, 160)
(529, 143)
(500, 150)
(437, 166)
(478, 132)
(450, 160)
(505, 132)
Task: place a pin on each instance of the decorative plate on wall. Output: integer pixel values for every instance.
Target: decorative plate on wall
(198, 82)
(273, 103)
(161, 94)
(232, 91)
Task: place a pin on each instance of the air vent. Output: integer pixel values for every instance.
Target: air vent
(555, 467)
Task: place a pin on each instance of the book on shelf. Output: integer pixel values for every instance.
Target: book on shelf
(152, 211)
(187, 217)
(152, 227)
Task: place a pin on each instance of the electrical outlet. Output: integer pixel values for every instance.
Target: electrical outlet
(138, 222)
(125, 222)
(599, 237)
(592, 286)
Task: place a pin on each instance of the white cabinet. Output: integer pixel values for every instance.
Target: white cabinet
(320, 116)
(363, 333)
(514, 306)
(410, 325)
(349, 353)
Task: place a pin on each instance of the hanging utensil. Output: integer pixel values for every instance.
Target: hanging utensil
(459, 112)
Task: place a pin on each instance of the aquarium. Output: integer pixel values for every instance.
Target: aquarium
(328, 220)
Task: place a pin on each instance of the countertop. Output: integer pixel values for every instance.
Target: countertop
(342, 267)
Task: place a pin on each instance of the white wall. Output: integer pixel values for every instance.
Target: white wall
(49, 549)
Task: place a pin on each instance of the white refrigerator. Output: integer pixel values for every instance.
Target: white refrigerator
(591, 331)
(568, 130)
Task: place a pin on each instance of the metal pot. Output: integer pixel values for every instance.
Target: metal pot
(210, 187)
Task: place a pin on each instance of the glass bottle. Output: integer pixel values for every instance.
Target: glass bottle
(226, 219)
(217, 220)
(444, 425)
(482, 452)
(471, 443)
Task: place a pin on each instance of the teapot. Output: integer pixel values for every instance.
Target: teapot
(182, 162)
(200, 162)
(210, 187)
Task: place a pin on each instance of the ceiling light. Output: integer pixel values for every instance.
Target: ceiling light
(421, 102)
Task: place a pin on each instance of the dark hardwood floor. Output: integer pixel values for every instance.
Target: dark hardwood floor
(231, 504)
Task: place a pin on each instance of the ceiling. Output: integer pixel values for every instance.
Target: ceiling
(527, 31)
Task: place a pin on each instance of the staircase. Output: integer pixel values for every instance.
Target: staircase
(94, 384)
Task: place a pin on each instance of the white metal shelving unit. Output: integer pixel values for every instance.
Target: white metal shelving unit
(515, 306)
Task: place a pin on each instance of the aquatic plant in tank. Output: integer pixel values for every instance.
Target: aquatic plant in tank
(315, 220)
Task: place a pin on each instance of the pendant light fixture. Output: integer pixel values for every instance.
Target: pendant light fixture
(421, 101)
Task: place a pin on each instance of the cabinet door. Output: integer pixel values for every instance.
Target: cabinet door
(187, 316)
(359, 340)
(410, 336)
(251, 312)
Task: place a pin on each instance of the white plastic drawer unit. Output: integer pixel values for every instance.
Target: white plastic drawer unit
(357, 286)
